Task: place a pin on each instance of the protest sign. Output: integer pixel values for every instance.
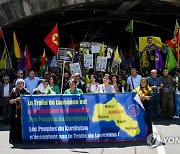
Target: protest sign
(101, 64)
(75, 68)
(88, 61)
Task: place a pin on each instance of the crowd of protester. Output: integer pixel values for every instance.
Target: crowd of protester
(159, 89)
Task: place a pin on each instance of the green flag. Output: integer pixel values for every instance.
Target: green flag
(129, 27)
(171, 62)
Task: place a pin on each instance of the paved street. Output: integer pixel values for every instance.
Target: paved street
(169, 132)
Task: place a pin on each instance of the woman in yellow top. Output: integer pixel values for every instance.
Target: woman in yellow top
(145, 93)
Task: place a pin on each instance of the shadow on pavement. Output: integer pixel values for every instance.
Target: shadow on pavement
(167, 122)
(4, 127)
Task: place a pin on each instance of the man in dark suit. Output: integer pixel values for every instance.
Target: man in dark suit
(80, 84)
(5, 90)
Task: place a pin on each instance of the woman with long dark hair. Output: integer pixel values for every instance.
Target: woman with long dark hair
(92, 86)
(117, 85)
(53, 83)
(106, 87)
(145, 93)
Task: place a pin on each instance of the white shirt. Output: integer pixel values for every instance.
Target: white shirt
(93, 88)
(136, 81)
(108, 89)
(6, 90)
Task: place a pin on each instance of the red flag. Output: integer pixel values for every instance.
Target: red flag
(174, 43)
(1, 34)
(52, 40)
(28, 61)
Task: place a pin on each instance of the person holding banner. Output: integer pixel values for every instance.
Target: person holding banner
(73, 89)
(53, 83)
(145, 93)
(106, 87)
(92, 87)
(15, 135)
(43, 88)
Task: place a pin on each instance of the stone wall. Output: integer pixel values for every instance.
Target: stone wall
(13, 10)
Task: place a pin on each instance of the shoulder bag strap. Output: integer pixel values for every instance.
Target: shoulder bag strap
(132, 83)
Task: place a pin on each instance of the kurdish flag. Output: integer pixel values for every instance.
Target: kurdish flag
(52, 39)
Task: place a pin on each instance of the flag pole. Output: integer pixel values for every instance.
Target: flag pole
(4, 39)
(62, 81)
(131, 48)
(178, 45)
(6, 46)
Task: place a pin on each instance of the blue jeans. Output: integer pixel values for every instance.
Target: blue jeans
(177, 104)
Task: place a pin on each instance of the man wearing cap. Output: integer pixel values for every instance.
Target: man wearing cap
(156, 84)
(5, 90)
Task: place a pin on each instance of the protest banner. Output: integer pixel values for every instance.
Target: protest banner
(75, 68)
(82, 118)
(65, 54)
(95, 48)
(88, 61)
(101, 64)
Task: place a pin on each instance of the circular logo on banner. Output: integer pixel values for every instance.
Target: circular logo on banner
(133, 110)
(55, 38)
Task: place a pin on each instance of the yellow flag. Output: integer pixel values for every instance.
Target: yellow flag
(85, 51)
(16, 47)
(3, 59)
(144, 61)
(143, 42)
(87, 80)
(67, 67)
(101, 51)
(69, 53)
(117, 59)
(176, 28)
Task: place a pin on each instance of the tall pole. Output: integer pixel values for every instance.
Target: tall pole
(178, 41)
(131, 49)
(62, 81)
